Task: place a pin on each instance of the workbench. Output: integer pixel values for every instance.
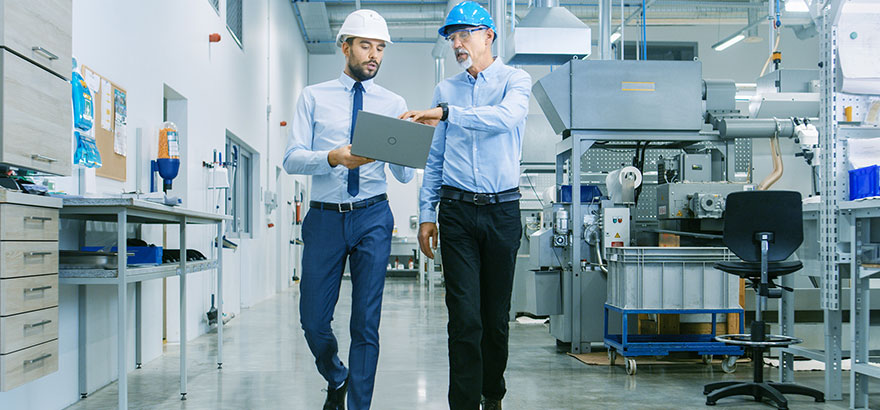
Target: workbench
(126, 211)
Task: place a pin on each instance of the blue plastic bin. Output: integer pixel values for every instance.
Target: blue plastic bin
(589, 193)
(864, 182)
(143, 255)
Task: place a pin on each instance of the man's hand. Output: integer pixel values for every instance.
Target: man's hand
(428, 233)
(431, 116)
(343, 156)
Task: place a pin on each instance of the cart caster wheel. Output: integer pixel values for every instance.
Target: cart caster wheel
(612, 356)
(631, 367)
(83, 395)
(183, 396)
(710, 403)
(707, 359)
(728, 365)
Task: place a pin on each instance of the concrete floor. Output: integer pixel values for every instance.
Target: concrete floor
(267, 365)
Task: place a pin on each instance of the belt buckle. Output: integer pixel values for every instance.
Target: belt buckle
(343, 210)
(481, 199)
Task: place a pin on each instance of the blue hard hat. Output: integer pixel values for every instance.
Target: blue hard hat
(467, 13)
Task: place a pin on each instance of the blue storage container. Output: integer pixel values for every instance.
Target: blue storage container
(143, 255)
(864, 182)
(589, 193)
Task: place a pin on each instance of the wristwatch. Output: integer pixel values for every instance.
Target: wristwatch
(445, 108)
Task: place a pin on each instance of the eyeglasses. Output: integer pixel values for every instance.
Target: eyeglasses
(463, 35)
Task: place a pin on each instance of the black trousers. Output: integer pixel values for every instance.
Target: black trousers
(479, 253)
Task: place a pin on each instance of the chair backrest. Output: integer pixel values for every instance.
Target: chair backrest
(749, 212)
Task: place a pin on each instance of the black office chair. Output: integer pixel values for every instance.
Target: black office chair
(762, 228)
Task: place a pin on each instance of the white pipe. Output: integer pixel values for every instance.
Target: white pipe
(622, 47)
(605, 29)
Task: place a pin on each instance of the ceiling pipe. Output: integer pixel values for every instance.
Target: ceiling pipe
(604, 29)
(496, 8)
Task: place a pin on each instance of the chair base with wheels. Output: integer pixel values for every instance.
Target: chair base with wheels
(758, 388)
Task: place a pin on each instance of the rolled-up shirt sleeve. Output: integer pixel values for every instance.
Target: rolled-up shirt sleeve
(300, 158)
(433, 179)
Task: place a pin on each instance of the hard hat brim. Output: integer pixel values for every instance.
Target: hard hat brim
(342, 37)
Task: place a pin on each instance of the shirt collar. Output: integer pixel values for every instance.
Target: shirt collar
(488, 74)
(348, 82)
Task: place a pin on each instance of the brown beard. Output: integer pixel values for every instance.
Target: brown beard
(358, 71)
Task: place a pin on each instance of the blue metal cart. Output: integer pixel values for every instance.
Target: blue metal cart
(631, 346)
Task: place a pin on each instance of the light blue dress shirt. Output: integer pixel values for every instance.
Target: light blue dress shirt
(323, 123)
(479, 146)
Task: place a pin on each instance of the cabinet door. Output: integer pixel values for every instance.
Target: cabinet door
(19, 259)
(28, 223)
(28, 329)
(28, 294)
(27, 365)
(36, 124)
(40, 30)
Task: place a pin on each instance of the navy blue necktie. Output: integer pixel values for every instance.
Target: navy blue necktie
(358, 104)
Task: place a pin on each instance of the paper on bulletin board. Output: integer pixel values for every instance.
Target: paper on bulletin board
(119, 135)
(93, 81)
(106, 105)
(120, 138)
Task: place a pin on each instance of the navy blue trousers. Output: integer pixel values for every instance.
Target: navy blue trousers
(364, 237)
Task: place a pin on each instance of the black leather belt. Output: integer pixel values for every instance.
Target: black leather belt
(480, 199)
(348, 206)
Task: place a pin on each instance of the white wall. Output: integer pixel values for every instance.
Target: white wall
(143, 46)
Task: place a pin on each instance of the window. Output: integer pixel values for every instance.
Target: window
(664, 50)
(215, 4)
(233, 20)
(241, 195)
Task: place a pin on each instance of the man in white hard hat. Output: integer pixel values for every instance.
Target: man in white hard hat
(473, 173)
(349, 216)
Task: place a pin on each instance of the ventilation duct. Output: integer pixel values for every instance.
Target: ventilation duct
(548, 35)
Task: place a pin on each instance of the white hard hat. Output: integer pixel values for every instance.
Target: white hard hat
(363, 23)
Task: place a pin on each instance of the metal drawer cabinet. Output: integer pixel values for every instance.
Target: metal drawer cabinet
(27, 365)
(19, 259)
(28, 223)
(39, 30)
(36, 118)
(27, 294)
(28, 329)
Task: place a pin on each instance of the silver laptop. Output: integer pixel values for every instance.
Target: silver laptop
(392, 140)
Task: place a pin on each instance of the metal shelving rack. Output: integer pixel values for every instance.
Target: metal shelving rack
(124, 211)
(840, 230)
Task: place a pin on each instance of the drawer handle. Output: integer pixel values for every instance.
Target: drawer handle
(38, 157)
(46, 53)
(39, 359)
(38, 324)
(38, 218)
(38, 253)
(39, 289)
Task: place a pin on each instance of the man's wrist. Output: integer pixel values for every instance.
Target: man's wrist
(444, 109)
(331, 160)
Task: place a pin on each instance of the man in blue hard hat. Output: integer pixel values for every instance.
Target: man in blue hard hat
(473, 173)
(349, 216)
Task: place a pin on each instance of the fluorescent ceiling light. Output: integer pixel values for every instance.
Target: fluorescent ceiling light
(729, 42)
(615, 36)
(796, 6)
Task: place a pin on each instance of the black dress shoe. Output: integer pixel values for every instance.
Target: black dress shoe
(491, 404)
(336, 397)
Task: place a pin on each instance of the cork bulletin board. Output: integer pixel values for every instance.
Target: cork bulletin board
(109, 99)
